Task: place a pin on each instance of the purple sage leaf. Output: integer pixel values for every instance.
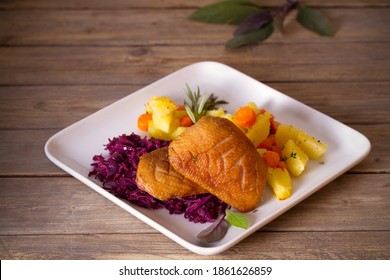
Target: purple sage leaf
(251, 38)
(253, 22)
(215, 232)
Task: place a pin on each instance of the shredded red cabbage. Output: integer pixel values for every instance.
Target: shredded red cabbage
(118, 171)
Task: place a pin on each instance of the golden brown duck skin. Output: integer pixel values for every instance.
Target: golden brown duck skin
(218, 156)
(157, 177)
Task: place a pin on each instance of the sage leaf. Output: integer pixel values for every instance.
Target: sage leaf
(314, 20)
(253, 22)
(252, 37)
(237, 219)
(215, 232)
(226, 12)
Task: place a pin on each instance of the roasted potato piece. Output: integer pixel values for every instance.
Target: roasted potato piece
(296, 159)
(260, 129)
(284, 133)
(313, 147)
(280, 181)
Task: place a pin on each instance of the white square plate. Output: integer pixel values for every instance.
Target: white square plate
(72, 149)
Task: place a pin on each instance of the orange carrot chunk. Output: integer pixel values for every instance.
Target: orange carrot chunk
(143, 121)
(245, 116)
(266, 144)
(276, 149)
(186, 121)
(271, 159)
(282, 165)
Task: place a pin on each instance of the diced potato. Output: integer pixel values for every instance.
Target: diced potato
(313, 147)
(216, 112)
(260, 129)
(280, 181)
(284, 133)
(261, 151)
(309, 144)
(160, 106)
(177, 132)
(165, 123)
(296, 159)
(155, 132)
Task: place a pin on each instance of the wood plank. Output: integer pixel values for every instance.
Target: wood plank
(169, 27)
(155, 4)
(352, 202)
(333, 62)
(55, 107)
(22, 152)
(260, 246)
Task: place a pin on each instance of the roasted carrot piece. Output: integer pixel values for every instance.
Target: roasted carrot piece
(282, 165)
(271, 159)
(266, 144)
(143, 121)
(245, 116)
(186, 121)
(276, 149)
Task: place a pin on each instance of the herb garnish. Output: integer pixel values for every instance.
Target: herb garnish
(255, 24)
(292, 155)
(237, 219)
(200, 104)
(219, 228)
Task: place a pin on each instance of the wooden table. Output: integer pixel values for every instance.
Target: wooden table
(63, 60)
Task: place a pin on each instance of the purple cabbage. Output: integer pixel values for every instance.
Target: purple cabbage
(118, 171)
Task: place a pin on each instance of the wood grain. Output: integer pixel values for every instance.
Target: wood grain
(71, 207)
(125, 4)
(170, 27)
(143, 65)
(56, 107)
(81, 219)
(259, 246)
(22, 152)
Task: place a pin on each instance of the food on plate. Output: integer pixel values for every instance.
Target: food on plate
(164, 119)
(295, 157)
(281, 146)
(217, 155)
(280, 181)
(117, 171)
(199, 160)
(259, 131)
(156, 176)
(311, 146)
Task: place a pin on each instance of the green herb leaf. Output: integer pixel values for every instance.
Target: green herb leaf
(200, 104)
(252, 37)
(237, 219)
(226, 12)
(314, 20)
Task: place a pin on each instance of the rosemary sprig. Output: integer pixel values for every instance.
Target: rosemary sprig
(200, 104)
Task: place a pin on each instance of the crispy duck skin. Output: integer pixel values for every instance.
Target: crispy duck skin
(218, 156)
(158, 178)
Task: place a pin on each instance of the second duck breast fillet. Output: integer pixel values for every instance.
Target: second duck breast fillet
(158, 178)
